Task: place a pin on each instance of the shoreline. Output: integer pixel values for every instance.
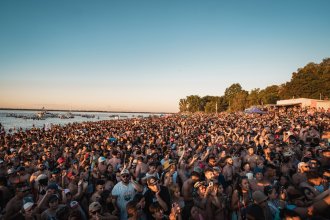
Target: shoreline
(74, 110)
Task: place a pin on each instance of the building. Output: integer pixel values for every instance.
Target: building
(304, 102)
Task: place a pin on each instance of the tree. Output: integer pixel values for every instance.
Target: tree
(270, 94)
(194, 103)
(183, 105)
(232, 90)
(239, 102)
(254, 97)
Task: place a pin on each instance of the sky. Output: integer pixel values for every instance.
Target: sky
(146, 55)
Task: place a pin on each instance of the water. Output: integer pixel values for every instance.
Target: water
(15, 123)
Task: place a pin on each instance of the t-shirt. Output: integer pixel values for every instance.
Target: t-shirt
(150, 198)
(124, 194)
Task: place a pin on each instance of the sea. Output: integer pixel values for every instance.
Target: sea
(22, 118)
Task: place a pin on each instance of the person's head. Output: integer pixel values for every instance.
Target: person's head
(211, 161)
(258, 174)
(195, 176)
(141, 201)
(243, 183)
(195, 212)
(200, 188)
(260, 198)
(152, 167)
(229, 161)
(53, 202)
(156, 211)
(209, 175)
(246, 166)
(250, 150)
(303, 167)
(174, 191)
(270, 192)
(125, 176)
(100, 186)
(109, 168)
(153, 183)
(131, 208)
(314, 164)
(94, 208)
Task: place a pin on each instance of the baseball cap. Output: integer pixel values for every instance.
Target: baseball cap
(124, 171)
(101, 159)
(94, 206)
(199, 184)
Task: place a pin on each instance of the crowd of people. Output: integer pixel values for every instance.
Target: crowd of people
(196, 166)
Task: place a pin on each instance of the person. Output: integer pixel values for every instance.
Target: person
(157, 193)
(96, 212)
(14, 206)
(187, 192)
(300, 176)
(241, 198)
(123, 192)
(53, 207)
(259, 182)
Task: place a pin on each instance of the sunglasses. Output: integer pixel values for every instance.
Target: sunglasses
(125, 176)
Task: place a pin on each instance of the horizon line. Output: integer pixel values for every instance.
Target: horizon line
(77, 110)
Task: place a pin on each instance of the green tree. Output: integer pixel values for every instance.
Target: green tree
(254, 97)
(239, 102)
(270, 94)
(183, 105)
(194, 103)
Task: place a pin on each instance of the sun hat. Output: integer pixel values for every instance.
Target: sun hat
(167, 164)
(94, 206)
(259, 197)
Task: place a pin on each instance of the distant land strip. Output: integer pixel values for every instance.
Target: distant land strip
(73, 110)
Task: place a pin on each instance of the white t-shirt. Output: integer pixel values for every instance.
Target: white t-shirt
(124, 194)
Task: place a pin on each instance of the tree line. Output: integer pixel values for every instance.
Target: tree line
(311, 81)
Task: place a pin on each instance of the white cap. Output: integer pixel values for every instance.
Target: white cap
(11, 170)
(28, 205)
(249, 176)
(101, 159)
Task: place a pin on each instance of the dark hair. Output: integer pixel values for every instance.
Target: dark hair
(154, 207)
(138, 197)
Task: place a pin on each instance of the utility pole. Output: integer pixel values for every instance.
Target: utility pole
(320, 96)
(216, 107)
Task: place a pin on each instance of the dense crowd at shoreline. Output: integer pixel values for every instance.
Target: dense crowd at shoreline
(224, 166)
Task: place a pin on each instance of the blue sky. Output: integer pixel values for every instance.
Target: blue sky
(144, 55)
